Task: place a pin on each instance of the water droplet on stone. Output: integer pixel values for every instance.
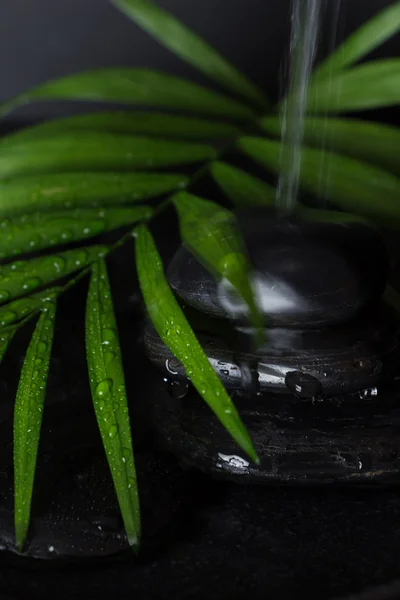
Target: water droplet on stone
(177, 388)
(303, 385)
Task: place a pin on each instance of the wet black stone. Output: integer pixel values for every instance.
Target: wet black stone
(305, 274)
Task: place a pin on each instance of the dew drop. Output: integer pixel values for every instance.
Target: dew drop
(112, 432)
(177, 388)
(108, 336)
(42, 347)
(104, 388)
(7, 317)
(66, 234)
(109, 357)
(31, 283)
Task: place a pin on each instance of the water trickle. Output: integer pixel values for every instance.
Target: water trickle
(303, 385)
(306, 16)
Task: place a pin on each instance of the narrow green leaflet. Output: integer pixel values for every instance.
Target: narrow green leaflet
(173, 328)
(365, 39)
(28, 417)
(58, 191)
(28, 233)
(133, 123)
(242, 189)
(353, 186)
(6, 337)
(186, 44)
(142, 87)
(330, 216)
(109, 397)
(25, 276)
(211, 234)
(371, 85)
(96, 151)
(248, 191)
(18, 309)
(372, 142)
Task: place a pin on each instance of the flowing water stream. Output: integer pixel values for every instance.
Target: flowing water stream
(306, 21)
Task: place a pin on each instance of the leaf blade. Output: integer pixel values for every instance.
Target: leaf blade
(190, 47)
(25, 276)
(373, 142)
(93, 151)
(6, 337)
(379, 81)
(133, 123)
(142, 87)
(28, 417)
(39, 231)
(59, 191)
(173, 328)
(354, 186)
(16, 310)
(240, 187)
(210, 233)
(107, 384)
(363, 41)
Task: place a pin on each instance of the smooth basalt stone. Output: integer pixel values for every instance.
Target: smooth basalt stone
(305, 274)
(345, 360)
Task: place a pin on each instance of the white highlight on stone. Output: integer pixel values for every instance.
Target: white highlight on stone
(231, 460)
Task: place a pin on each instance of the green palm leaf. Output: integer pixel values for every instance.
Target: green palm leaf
(211, 234)
(109, 397)
(28, 417)
(183, 42)
(130, 123)
(142, 87)
(373, 142)
(375, 84)
(26, 276)
(241, 188)
(353, 186)
(21, 235)
(59, 191)
(367, 37)
(6, 336)
(22, 307)
(96, 151)
(174, 329)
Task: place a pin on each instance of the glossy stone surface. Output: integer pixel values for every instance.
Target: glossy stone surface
(319, 396)
(306, 274)
(352, 439)
(342, 360)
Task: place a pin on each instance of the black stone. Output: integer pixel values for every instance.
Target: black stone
(318, 396)
(305, 274)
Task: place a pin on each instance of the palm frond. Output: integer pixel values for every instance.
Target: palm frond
(70, 179)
